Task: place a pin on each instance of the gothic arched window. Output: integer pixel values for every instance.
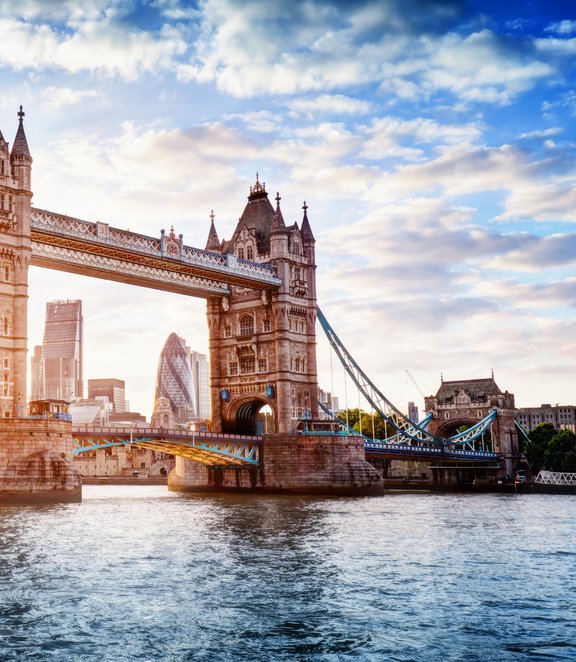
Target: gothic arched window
(240, 253)
(246, 325)
(249, 253)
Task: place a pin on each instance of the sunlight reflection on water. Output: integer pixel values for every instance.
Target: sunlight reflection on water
(139, 573)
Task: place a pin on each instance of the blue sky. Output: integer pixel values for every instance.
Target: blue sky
(433, 141)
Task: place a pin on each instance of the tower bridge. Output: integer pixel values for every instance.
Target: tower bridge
(260, 291)
(164, 263)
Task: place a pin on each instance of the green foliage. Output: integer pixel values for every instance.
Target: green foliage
(535, 449)
(560, 454)
(370, 423)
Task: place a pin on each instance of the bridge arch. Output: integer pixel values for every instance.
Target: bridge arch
(246, 416)
(453, 426)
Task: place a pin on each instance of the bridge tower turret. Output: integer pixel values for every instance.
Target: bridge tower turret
(263, 343)
(15, 248)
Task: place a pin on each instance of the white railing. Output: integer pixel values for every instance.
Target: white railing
(102, 233)
(555, 478)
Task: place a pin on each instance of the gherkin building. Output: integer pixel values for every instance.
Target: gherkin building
(174, 379)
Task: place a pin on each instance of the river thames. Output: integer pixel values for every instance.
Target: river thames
(139, 573)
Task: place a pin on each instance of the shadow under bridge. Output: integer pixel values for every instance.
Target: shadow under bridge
(205, 447)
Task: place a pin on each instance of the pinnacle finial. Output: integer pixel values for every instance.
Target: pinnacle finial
(278, 198)
(21, 114)
(212, 217)
(305, 207)
(258, 187)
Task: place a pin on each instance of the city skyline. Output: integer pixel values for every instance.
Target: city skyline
(440, 190)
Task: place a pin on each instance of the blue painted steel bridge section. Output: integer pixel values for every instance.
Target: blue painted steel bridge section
(399, 448)
(410, 432)
(205, 447)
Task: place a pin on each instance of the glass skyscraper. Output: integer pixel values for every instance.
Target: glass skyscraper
(174, 379)
(60, 374)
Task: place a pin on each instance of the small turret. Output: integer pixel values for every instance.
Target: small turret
(306, 230)
(20, 156)
(213, 243)
(307, 236)
(278, 233)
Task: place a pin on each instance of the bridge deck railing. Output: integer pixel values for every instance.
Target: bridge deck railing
(102, 233)
(159, 433)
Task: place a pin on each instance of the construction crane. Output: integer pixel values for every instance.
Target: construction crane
(415, 383)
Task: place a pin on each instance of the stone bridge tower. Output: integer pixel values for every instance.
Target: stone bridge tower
(463, 403)
(263, 343)
(15, 248)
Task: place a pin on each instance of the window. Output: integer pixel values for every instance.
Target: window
(6, 272)
(5, 326)
(262, 365)
(227, 331)
(246, 325)
(266, 325)
(297, 364)
(233, 368)
(249, 253)
(240, 253)
(247, 364)
(6, 364)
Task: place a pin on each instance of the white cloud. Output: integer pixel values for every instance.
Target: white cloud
(56, 97)
(101, 47)
(329, 104)
(562, 27)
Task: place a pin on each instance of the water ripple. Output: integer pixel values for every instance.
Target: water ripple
(137, 573)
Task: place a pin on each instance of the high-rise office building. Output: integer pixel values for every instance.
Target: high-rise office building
(61, 365)
(113, 389)
(174, 379)
(36, 381)
(201, 377)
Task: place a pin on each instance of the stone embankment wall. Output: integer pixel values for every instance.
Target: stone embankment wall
(36, 461)
(295, 464)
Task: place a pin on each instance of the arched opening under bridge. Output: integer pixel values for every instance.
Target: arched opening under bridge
(458, 425)
(252, 417)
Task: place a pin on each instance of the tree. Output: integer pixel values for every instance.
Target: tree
(535, 449)
(382, 430)
(560, 454)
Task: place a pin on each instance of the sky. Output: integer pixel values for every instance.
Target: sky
(433, 141)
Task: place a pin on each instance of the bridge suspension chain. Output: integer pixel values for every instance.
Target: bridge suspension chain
(406, 429)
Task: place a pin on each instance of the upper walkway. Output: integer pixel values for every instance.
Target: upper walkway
(165, 263)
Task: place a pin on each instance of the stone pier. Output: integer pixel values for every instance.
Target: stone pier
(293, 464)
(36, 461)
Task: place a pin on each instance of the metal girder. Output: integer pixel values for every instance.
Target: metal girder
(396, 439)
(419, 452)
(212, 452)
(407, 429)
(73, 261)
(99, 250)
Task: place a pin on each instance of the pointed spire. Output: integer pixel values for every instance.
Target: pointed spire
(306, 230)
(20, 146)
(213, 243)
(278, 224)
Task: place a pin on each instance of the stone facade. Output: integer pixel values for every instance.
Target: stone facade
(263, 344)
(466, 402)
(35, 461)
(15, 249)
(296, 464)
